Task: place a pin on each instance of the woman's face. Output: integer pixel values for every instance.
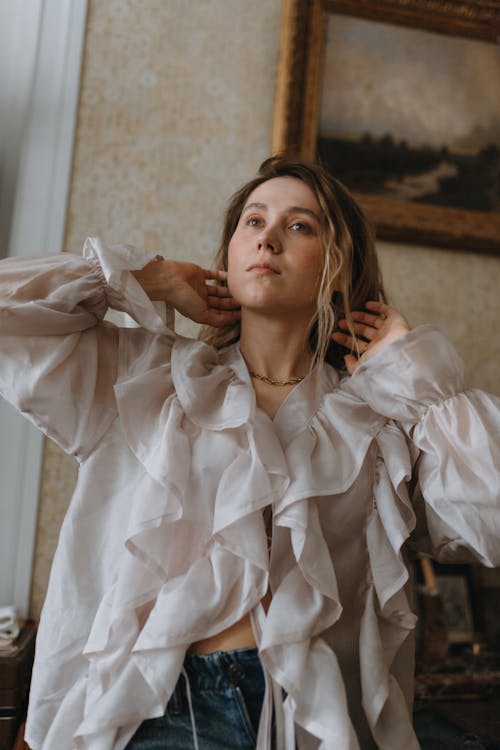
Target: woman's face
(275, 255)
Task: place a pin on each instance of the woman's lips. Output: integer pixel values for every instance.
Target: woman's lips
(263, 268)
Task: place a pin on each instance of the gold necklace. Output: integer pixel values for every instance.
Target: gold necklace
(270, 381)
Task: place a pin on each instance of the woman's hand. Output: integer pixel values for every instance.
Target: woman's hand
(195, 292)
(374, 330)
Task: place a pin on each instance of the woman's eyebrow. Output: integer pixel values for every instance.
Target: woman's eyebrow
(260, 206)
(303, 210)
(290, 209)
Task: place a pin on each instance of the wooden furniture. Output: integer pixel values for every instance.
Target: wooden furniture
(20, 744)
(15, 674)
(459, 701)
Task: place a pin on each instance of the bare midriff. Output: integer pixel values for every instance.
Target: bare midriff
(238, 635)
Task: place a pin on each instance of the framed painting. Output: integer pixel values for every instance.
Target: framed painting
(448, 605)
(455, 595)
(399, 99)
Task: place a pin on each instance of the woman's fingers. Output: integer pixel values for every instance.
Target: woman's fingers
(221, 318)
(213, 285)
(372, 329)
(368, 318)
(349, 342)
(360, 329)
(373, 319)
(368, 324)
(215, 276)
(381, 307)
(222, 303)
(216, 290)
(219, 296)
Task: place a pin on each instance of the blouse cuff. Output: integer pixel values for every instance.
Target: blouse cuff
(112, 265)
(408, 376)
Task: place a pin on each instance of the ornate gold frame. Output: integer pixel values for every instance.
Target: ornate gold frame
(297, 105)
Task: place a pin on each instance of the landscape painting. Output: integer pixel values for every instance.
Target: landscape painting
(411, 115)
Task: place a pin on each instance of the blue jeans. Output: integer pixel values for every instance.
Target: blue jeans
(227, 692)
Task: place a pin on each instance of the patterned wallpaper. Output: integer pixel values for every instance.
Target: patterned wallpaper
(175, 112)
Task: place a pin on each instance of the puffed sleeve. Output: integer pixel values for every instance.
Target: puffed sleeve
(418, 382)
(58, 359)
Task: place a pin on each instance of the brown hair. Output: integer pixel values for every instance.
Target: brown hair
(350, 264)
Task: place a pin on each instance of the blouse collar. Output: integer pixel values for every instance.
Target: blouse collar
(216, 391)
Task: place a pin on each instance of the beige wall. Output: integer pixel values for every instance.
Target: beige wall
(456, 291)
(175, 112)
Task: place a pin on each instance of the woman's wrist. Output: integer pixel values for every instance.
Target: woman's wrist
(156, 278)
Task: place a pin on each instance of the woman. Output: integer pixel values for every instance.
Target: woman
(234, 547)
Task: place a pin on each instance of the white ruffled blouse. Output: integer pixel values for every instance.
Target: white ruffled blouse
(164, 542)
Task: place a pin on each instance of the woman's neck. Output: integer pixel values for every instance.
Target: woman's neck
(275, 347)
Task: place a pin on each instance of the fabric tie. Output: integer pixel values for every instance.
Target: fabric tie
(190, 705)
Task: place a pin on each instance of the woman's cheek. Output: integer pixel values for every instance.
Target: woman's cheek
(232, 282)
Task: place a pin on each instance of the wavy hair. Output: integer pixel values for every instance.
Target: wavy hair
(350, 274)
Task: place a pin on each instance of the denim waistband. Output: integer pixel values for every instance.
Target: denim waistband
(220, 669)
(215, 671)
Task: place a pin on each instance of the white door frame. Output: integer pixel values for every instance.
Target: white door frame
(42, 48)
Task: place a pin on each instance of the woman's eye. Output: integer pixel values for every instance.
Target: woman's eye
(253, 221)
(299, 226)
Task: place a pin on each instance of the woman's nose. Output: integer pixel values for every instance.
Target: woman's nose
(269, 241)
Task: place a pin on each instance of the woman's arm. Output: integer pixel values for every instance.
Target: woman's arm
(417, 380)
(58, 359)
(56, 363)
